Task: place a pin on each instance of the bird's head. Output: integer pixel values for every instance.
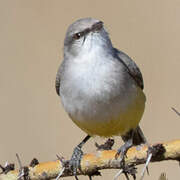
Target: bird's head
(85, 35)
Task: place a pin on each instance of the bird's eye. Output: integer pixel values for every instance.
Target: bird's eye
(77, 36)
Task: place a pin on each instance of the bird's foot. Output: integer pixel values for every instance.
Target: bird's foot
(125, 168)
(75, 161)
(123, 150)
(106, 146)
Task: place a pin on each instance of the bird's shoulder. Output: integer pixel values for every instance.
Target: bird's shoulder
(131, 66)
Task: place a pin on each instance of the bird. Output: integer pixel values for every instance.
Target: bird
(101, 87)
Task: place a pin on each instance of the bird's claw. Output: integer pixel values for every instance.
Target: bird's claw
(75, 160)
(121, 152)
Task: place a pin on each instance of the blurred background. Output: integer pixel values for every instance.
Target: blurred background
(33, 122)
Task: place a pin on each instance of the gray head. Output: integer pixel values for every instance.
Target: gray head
(83, 35)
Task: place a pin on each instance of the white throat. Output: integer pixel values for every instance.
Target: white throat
(92, 49)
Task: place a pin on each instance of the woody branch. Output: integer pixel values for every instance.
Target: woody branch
(100, 160)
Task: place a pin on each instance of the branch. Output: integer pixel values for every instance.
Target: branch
(105, 159)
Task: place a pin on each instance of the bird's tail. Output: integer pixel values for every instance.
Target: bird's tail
(138, 137)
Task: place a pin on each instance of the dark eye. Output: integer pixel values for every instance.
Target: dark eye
(77, 36)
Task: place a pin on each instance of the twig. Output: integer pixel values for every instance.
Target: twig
(21, 172)
(178, 113)
(118, 174)
(146, 166)
(61, 159)
(101, 160)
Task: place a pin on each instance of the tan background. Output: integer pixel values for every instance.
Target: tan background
(33, 122)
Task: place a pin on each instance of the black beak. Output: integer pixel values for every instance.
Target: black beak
(97, 26)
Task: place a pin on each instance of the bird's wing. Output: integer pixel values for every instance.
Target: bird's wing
(58, 78)
(131, 67)
(57, 83)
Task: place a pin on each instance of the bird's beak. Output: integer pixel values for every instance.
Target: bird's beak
(97, 26)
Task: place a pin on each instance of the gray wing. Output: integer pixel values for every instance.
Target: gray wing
(58, 78)
(57, 83)
(131, 67)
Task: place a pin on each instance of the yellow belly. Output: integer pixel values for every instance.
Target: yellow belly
(125, 121)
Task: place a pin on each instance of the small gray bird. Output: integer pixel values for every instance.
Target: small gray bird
(101, 88)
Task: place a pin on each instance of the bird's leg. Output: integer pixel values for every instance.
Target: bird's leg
(133, 138)
(122, 152)
(123, 149)
(76, 156)
(128, 143)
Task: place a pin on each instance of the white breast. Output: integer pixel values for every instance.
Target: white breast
(95, 88)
